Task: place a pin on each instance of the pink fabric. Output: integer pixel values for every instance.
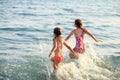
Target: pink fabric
(80, 46)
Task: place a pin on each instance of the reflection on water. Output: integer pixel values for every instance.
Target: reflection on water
(26, 28)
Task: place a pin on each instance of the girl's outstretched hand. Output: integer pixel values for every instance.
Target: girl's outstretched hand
(98, 40)
(73, 55)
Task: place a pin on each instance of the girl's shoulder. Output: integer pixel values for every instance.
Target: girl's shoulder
(63, 40)
(57, 38)
(74, 30)
(84, 30)
(54, 39)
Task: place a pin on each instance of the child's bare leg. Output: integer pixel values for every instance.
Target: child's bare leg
(56, 65)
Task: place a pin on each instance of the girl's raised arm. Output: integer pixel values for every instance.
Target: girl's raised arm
(87, 32)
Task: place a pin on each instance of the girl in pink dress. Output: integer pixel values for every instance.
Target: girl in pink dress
(79, 33)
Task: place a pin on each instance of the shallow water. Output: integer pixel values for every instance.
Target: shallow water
(26, 28)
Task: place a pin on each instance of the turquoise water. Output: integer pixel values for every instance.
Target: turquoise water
(26, 28)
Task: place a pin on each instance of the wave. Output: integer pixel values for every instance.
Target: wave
(89, 66)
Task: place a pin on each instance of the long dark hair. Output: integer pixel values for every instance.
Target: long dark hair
(57, 31)
(78, 22)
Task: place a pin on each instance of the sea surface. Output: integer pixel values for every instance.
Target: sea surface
(26, 33)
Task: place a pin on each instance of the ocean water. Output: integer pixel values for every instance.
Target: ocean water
(26, 32)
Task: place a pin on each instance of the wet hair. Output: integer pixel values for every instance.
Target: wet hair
(57, 31)
(78, 22)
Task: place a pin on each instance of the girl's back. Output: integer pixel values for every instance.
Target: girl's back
(59, 45)
(79, 36)
(78, 32)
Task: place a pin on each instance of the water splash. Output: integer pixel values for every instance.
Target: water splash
(89, 66)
